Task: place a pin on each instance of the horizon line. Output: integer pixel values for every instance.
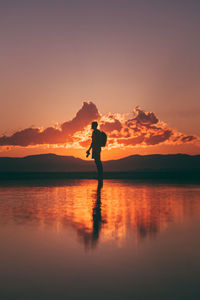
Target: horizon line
(141, 155)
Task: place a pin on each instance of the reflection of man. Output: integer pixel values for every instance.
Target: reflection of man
(97, 219)
(96, 149)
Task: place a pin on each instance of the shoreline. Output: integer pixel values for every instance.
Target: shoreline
(184, 176)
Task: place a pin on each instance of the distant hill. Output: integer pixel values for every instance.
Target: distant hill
(155, 162)
(45, 163)
(134, 163)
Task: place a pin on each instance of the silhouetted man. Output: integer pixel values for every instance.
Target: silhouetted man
(96, 149)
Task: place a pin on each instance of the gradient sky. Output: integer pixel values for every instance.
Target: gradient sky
(118, 54)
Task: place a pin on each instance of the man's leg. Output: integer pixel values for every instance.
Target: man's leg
(99, 168)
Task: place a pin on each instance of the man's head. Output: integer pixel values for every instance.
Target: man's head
(94, 125)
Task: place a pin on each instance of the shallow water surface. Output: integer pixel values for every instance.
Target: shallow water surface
(76, 240)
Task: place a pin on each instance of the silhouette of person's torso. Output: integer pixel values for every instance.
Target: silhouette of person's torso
(96, 139)
(96, 148)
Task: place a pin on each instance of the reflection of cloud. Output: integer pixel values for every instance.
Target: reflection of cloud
(144, 128)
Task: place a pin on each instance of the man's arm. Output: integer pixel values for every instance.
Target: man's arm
(88, 151)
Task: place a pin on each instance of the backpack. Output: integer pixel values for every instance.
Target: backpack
(103, 139)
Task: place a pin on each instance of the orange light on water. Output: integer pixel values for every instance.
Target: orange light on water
(118, 210)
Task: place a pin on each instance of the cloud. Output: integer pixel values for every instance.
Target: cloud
(111, 126)
(155, 139)
(188, 138)
(133, 141)
(144, 128)
(84, 116)
(144, 118)
(52, 135)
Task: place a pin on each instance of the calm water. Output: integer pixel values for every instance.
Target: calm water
(71, 240)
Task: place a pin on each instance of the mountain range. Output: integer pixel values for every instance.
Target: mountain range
(135, 163)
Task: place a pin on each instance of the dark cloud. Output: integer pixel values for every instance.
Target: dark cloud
(188, 138)
(24, 137)
(132, 141)
(155, 139)
(84, 116)
(145, 118)
(111, 126)
(51, 135)
(142, 118)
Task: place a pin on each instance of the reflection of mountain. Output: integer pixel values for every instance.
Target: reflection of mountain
(56, 163)
(117, 211)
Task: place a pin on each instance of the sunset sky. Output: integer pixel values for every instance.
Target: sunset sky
(132, 65)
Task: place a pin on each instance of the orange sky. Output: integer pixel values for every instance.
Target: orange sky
(119, 54)
(137, 133)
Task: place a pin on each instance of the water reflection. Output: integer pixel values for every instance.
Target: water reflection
(114, 212)
(97, 218)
